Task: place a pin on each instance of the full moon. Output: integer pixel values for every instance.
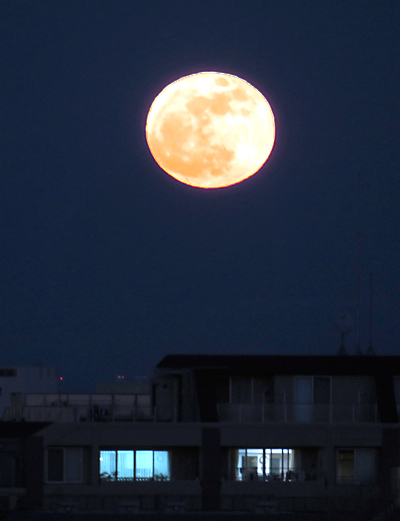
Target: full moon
(210, 129)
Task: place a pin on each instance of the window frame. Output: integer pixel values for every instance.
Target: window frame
(286, 463)
(355, 450)
(64, 451)
(268, 388)
(312, 377)
(134, 477)
(353, 480)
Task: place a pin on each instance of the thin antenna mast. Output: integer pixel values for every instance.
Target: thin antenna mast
(358, 285)
(370, 350)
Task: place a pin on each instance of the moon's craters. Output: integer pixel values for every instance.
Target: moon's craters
(210, 129)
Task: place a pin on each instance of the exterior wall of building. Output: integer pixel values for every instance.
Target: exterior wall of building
(166, 398)
(183, 443)
(35, 379)
(297, 459)
(33, 473)
(204, 449)
(138, 385)
(296, 398)
(188, 398)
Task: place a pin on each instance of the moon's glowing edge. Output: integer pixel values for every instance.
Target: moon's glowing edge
(225, 179)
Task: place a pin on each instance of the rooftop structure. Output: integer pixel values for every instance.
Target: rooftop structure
(26, 379)
(229, 434)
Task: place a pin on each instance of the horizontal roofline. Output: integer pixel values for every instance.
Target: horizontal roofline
(285, 364)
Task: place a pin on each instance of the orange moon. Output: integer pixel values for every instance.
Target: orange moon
(210, 129)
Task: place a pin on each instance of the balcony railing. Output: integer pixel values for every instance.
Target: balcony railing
(71, 407)
(79, 413)
(277, 474)
(297, 413)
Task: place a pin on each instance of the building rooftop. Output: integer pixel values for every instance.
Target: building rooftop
(286, 364)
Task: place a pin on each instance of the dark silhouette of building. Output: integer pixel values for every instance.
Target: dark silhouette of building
(304, 435)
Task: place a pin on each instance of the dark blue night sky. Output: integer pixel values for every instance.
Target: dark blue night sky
(107, 264)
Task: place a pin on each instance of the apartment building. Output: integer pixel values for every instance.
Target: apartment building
(260, 434)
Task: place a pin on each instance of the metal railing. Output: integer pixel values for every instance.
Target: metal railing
(297, 413)
(170, 503)
(79, 413)
(289, 474)
(72, 407)
(107, 503)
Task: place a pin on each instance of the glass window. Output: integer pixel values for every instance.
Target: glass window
(303, 398)
(108, 465)
(161, 465)
(263, 390)
(303, 389)
(365, 465)
(263, 464)
(55, 465)
(144, 464)
(73, 465)
(241, 389)
(64, 465)
(309, 389)
(125, 465)
(128, 465)
(345, 466)
(312, 396)
(250, 464)
(355, 465)
(322, 389)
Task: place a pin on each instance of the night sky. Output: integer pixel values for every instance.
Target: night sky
(108, 264)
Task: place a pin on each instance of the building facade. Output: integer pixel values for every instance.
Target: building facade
(17, 381)
(261, 434)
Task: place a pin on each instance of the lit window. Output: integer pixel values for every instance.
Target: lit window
(264, 464)
(125, 465)
(130, 465)
(273, 464)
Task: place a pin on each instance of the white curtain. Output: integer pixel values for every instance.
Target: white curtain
(144, 464)
(161, 465)
(108, 463)
(125, 464)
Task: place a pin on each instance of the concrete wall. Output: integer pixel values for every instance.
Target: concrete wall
(35, 379)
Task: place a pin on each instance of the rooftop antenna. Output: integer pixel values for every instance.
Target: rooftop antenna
(358, 284)
(343, 325)
(370, 350)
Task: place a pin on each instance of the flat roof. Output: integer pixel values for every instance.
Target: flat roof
(285, 364)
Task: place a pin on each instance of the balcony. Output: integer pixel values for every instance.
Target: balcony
(297, 413)
(64, 408)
